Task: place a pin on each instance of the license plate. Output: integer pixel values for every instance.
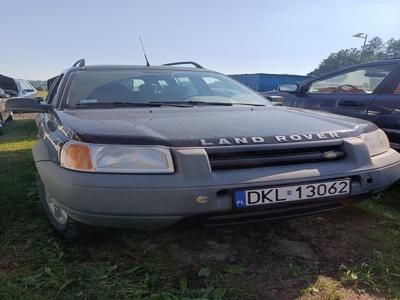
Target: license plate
(265, 196)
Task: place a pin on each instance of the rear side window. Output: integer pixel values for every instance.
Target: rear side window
(23, 85)
(27, 86)
(361, 81)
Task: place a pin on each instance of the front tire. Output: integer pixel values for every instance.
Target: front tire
(57, 217)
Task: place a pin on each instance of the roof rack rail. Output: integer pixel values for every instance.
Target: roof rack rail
(395, 57)
(185, 63)
(79, 63)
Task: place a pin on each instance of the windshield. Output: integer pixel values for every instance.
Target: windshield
(95, 88)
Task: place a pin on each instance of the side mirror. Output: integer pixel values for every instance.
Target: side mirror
(26, 105)
(289, 88)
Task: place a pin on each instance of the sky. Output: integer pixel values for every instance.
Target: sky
(40, 38)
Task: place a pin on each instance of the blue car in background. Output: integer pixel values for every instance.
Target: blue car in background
(366, 91)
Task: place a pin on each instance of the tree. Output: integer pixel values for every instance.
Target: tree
(393, 48)
(374, 50)
(337, 60)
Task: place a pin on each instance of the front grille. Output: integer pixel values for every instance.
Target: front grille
(256, 157)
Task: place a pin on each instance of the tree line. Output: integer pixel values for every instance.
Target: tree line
(375, 49)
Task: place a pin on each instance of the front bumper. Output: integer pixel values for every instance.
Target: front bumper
(151, 201)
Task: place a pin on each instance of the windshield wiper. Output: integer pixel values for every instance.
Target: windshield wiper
(209, 103)
(157, 104)
(191, 103)
(126, 104)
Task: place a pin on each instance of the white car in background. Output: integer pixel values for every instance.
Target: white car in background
(25, 89)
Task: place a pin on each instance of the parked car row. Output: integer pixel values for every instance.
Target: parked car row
(367, 91)
(17, 87)
(9, 88)
(149, 146)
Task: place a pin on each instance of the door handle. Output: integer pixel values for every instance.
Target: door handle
(350, 103)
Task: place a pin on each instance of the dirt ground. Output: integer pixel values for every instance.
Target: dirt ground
(283, 260)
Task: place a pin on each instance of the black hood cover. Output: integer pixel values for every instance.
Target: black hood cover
(8, 83)
(200, 126)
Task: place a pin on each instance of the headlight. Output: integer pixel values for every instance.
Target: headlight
(116, 158)
(376, 141)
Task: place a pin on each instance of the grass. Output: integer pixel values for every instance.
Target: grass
(34, 264)
(380, 274)
(42, 94)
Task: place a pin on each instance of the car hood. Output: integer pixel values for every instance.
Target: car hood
(206, 126)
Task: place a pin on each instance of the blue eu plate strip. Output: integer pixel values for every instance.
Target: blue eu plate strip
(240, 199)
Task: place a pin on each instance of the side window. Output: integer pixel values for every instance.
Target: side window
(29, 86)
(26, 86)
(361, 81)
(53, 89)
(397, 89)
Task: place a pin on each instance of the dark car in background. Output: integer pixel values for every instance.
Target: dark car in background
(366, 91)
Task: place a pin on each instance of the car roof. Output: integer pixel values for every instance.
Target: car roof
(135, 67)
(389, 61)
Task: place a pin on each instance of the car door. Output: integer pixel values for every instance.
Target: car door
(346, 93)
(384, 111)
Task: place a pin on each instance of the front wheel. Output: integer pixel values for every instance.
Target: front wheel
(58, 218)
